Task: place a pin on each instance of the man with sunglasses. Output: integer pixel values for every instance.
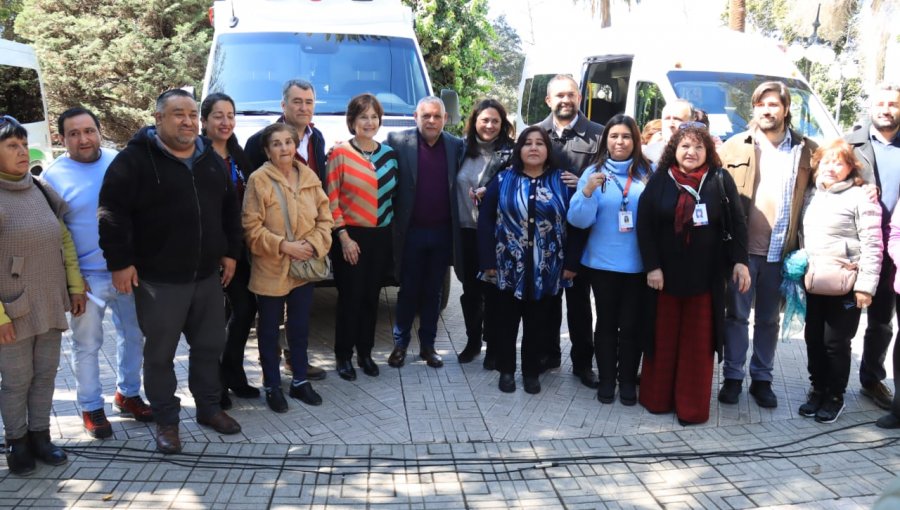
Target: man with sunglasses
(770, 164)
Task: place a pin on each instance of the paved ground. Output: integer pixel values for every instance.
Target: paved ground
(448, 438)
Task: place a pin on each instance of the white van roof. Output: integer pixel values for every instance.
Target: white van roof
(373, 17)
(17, 54)
(663, 47)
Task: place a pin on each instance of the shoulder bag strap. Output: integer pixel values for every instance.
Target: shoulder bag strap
(289, 232)
(726, 206)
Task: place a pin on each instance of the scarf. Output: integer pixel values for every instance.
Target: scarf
(684, 208)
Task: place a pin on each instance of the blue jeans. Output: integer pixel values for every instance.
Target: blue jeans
(271, 312)
(765, 280)
(87, 339)
(426, 257)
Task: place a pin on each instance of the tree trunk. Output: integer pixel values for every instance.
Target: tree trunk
(605, 19)
(737, 14)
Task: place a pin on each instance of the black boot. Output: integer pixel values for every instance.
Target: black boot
(19, 457)
(43, 449)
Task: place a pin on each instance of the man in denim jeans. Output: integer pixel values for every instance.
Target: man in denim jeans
(77, 176)
(770, 164)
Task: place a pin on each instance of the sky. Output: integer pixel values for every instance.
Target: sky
(550, 15)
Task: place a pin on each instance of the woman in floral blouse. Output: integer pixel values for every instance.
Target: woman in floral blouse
(522, 248)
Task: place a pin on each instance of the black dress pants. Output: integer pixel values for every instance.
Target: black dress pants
(831, 323)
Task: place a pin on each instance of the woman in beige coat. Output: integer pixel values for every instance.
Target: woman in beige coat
(272, 253)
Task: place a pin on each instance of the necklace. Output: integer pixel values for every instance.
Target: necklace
(366, 154)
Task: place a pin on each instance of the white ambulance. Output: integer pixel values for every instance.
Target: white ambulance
(343, 47)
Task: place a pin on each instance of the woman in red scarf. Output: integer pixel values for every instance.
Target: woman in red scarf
(692, 235)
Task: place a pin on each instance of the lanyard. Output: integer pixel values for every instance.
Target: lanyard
(623, 190)
(235, 174)
(694, 193)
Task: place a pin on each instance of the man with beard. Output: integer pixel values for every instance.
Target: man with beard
(770, 164)
(673, 115)
(169, 225)
(877, 147)
(575, 144)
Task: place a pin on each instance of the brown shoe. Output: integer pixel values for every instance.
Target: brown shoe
(96, 424)
(167, 440)
(878, 393)
(221, 423)
(397, 357)
(133, 406)
(314, 373)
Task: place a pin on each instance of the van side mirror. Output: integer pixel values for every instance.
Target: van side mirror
(451, 104)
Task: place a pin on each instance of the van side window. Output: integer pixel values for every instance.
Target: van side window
(605, 87)
(20, 94)
(534, 95)
(650, 102)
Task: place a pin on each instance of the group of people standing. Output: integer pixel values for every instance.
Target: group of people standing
(675, 248)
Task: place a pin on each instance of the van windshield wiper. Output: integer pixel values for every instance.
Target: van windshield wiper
(258, 112)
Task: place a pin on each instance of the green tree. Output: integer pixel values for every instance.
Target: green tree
(506, 64)
(456, 40)
(9, 9)
(116, 56)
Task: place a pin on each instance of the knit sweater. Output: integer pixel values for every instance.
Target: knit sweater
(34, 292)
(360, 189)
(841, 221)
(79, 185)
(607, 248)
(264, 227)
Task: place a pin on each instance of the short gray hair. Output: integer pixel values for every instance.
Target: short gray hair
(299, 83)
(432, 100)
(681, 103)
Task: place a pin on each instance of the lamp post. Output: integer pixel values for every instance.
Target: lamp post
(811, 49)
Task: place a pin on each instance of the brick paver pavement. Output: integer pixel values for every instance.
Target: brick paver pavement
(418, 437)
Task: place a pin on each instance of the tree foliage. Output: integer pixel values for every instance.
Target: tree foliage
(456, 40)
(9, 9)
(791, 22)
(506, 64)
(116, 56)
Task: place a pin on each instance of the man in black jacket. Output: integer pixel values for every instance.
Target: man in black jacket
(169, 223)
(576, 141)
(298, 104)
(877, 147)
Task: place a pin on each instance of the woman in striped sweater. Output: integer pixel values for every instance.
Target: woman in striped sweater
(361, 178)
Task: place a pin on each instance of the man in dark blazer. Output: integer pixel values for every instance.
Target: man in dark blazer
(576, 141)
(877, 146)
(425, 222)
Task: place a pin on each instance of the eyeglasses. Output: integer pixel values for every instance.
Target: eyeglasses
(692, 124)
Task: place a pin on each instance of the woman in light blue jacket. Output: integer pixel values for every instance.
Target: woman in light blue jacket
(606, 202)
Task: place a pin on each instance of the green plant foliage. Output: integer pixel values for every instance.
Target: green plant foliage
(506, 65)
(116, 56)
(9, 9)
(456, 40)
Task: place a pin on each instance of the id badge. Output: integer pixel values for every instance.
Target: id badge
(626, 221)
(700, 218)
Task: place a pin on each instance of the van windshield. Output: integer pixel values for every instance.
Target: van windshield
(725, 97)
(252, 68)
